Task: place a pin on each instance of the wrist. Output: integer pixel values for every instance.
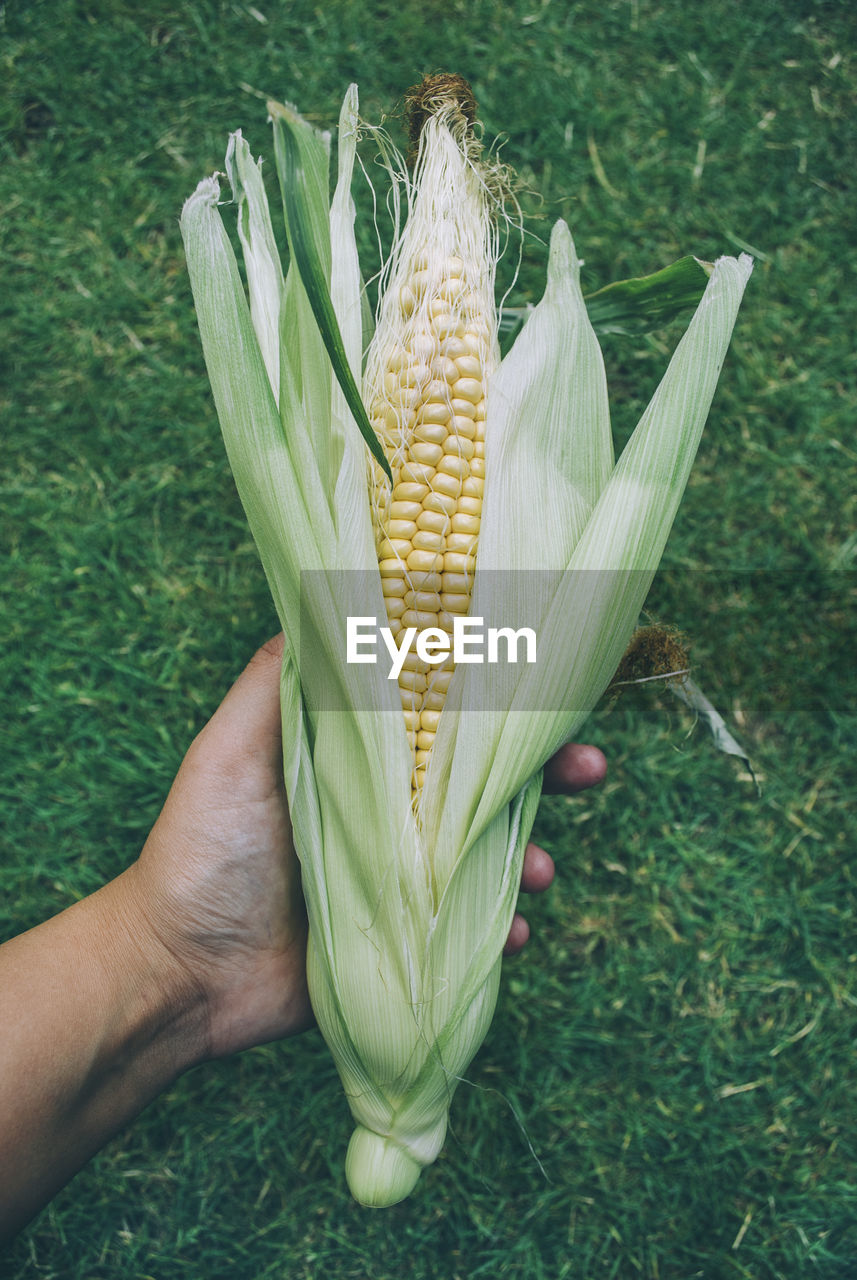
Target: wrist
(166, 1022)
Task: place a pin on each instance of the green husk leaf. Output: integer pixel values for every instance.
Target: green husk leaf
(633, 306)
(348, 295)
(308, 263)
(648, 302)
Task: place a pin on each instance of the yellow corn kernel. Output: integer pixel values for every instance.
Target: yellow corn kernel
(422, 580)
(463, 522)
(467, 389)
(405, 510)
(454, 346)
(429, 540)
(457, 447)
(429, 454)
(413, 681)
(451, 603)
(469, 506)
(394, 548)
(464, 427)
(468, 366)
(412, 661)
(465, 542)
(447, 326)
(433, 412)
(398, 529)
(390, 568)
(421, 619)
(445, 497)
(427, 601)
(431, 432)
(457, 584)
(417, 471)
(407, 491)
(423, 346)
(458, 562)
(435, 521)
(453, 464)
(446, 368)
(425, 561)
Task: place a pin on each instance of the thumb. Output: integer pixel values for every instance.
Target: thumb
(247, 722)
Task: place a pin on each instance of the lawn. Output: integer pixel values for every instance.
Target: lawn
(666, 1091)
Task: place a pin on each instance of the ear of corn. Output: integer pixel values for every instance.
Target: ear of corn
(411, 864)
(434, 351)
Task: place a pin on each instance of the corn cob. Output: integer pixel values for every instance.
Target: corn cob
(410, 903)
(435, 349)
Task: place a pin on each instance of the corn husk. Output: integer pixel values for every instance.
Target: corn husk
(409, 910)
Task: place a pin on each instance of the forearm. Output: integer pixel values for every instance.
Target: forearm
(96, 1021)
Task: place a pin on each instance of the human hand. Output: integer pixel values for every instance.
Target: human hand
(218, 878)
(574, 768)
(218, 881)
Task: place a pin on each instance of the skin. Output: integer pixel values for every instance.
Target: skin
(194, 952)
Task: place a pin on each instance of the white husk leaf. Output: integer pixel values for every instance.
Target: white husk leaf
(261, 256)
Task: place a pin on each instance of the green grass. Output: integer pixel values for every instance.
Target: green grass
(666, 1090)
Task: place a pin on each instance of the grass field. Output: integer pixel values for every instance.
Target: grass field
(668, 1087)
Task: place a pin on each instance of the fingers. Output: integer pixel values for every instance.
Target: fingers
(574, 768)
(537, 875)
(519, 936)
(538, 870)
